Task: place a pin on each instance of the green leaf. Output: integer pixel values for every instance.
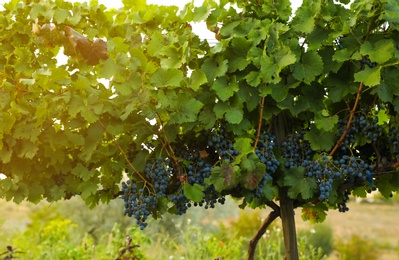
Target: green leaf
(93, 139)
(109, 68)
(237, 53)
(200, 13)
(225, 176)
(325, 123)
(387, 184)
(234, 115)
(320, 140)
(28, 150)
(254, 78)
(187, 113)
(88, 188)
(381, 52)
(369, 76)
(60, 15)
(214, 68)
(36, 192)
(197, 79)
(391, 10)
(194, 192)
(225, 90)
(243, 145)
(252, 172)
(304, 18)
(298, 184)
(221, 108)
(166, 77)
(314, 213)
(269, 70)
(311, 65)
(82, 172)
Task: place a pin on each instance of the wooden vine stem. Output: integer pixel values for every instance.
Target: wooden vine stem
(262, 104)
(125, 156)
(352, 113)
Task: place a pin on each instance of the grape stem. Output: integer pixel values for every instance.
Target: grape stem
(124, 155)
(262, 104)
(352, 113)
(170, 151)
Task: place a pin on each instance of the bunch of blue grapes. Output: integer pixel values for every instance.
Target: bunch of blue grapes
(296, 150)
(195, 170)
(342, 206)
(394, 141)
(354, 168)
(139, 202)
(159, 174)
(359, 126)
(324, 175)
(220, 141)
(265, 153)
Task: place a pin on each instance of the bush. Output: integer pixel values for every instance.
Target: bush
(319, 236)
(357, 248)
(52, 236)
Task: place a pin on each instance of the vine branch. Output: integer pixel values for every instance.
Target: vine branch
(254, 241)
(170, 150)
(352, 113)
(262, 104)
(125, 156)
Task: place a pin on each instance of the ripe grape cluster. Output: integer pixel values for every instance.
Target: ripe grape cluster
(352, 167)
(342, 207)
(220, 141)
(159, 174)
(139, 202)
(324, 169)
(198, 168)
(295, 150)
(394, 140)
(265, 153)
(359, 126)
(323, 173)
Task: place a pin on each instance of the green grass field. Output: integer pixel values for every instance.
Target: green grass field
(370, 227)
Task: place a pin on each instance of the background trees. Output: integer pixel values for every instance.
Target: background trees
(284, 111)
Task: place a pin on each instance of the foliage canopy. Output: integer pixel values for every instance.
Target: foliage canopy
(306, 103)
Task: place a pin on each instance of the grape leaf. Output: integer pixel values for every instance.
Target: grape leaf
(369, 76)
(320, 140)
(234, 115)
(314, 213)
(311, 65)
(225, 176)
(325, 123)
(244, 145)
(194, 192)
(223, 89)
(167, 77)
(252, 173)
(299, 185)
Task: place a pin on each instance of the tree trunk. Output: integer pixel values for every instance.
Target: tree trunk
(281, 128)
(289, 230)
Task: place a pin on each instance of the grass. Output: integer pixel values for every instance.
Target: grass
(225, 231)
